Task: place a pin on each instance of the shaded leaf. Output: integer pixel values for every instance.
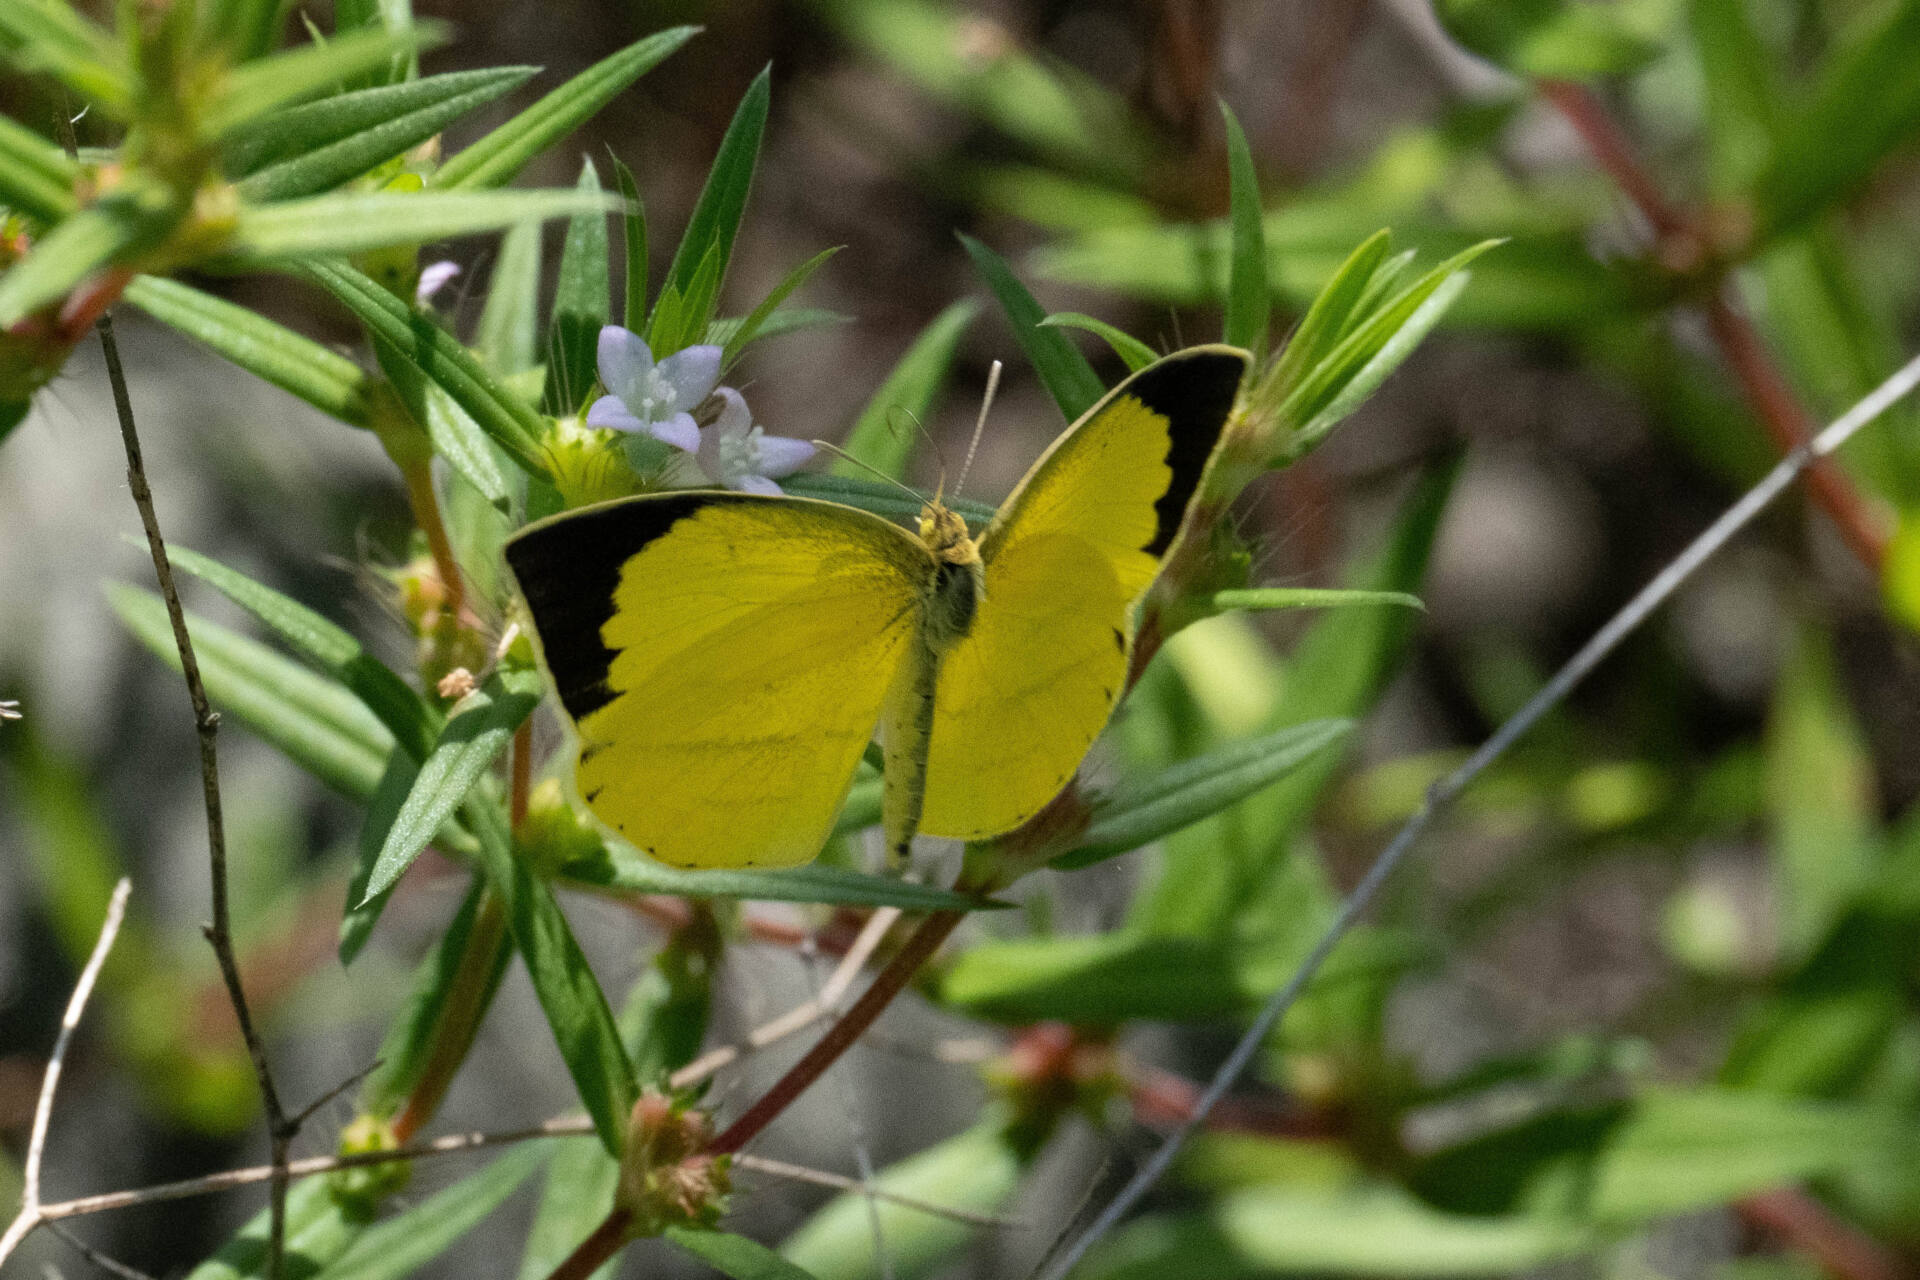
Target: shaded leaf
(582, 306)
(1247, 294)
(1137, 354)
(398, 1246)
(735, 1256)
(616, 867)
(1062, 369)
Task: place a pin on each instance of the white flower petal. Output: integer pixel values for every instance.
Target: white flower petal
(433, 278)
(680, 431)
(735, 418)
(624, 361)
(611, 411)
(754, 484)
(783, 455)
(694, 373)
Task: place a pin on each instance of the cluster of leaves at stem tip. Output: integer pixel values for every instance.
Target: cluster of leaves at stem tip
(322, 163)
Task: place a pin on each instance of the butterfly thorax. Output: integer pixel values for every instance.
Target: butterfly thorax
(959, 580)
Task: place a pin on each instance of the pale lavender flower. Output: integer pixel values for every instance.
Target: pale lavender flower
(649, 398)
(433, 278)
(737, 454)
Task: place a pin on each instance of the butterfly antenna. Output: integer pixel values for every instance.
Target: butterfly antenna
(838, 452)
(980, 426)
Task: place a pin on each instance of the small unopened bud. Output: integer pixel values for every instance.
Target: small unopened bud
(456, 684)
(667, 1179)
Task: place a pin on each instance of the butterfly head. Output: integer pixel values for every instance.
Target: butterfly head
(945, 535)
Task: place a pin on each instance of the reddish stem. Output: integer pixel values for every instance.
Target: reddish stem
(1680, 246)
(1842, 1251)
(521, 782)
(891, 981)
(606, 1240)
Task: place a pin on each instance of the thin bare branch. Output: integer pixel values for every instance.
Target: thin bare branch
(1447, 789)
(97, 1258)
(840, 1182)
(30, 1214)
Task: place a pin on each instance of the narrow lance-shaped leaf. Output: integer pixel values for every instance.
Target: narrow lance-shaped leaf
(74, 249)
(1259, 598)
(255, 88)
(735, 1256)
(293, 362)
(750, 327)
(618, 869)
(474, 736)
(513, 425)
(493, 160)
(414, 1032)
(456, 437)
(359, 222)
(1062, 369)
(1246, 318)
(35, 176)
(331, 650)
(313, 148)
(633, 236)
(390, 15)
(1144, 811)
(878, 438)
(399, 1246)
(723, 201)
(575, 1006)
(1137, 354)
(1326, 319)
(510, 319)
(1867, 102)
(52, 36)
(581, 305)
(320, 725)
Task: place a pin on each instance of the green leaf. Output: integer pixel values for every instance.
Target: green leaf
(388, 15)
(1357, 366)
(323, 727)
(881, 499)
(512, 424)
(1094, 979)
(1820, 798)
(474, 736)
(74, 249)
(1865, 104)
(329, 649)
(313, 148)
(1137, 354)
(614, 866)
(633, 234)
(1327, 319)
(735, 1256)
(247, 28)
(682, 321)
(1247, 295)
(258, 87)
(315, 373)
(400, 1245)
(1143, 811)
(784, 321)
(575, 1006)
(508, 322)
(876, 439)
(35, 176)
(1743, 108)
(1556, 39)
(319, 1229)
(455, 436)
(492, 161)
(975, 1171)
(52, 37)
(359, 222)
(434, 996)
(581, 1180)
(1308, 598)
(1062, 369)
(362, 910)
(581, 305)
(723, 201)
(750, 327)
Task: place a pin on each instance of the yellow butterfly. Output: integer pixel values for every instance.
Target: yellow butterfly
(725, 657)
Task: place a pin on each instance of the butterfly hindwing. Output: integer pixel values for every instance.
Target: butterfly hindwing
(724, 658)
(1025, 693)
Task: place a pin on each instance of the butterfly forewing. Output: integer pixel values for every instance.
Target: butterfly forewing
(739, 650)
(1021, 698)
